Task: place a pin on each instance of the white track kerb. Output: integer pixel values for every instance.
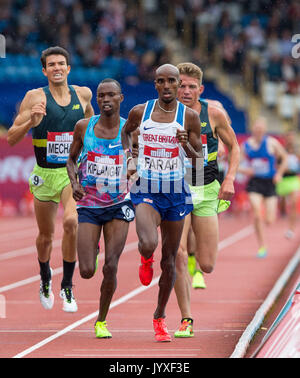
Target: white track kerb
(244, 341)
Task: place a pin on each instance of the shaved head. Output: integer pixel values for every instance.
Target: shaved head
(167, 69)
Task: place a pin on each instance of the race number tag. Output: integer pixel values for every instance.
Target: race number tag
(58, 146)
(36, 180)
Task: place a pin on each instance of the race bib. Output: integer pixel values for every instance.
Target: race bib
(102, 168)
(261, 166)
(58, 146)
(164, 163)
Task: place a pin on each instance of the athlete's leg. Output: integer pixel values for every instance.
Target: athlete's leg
(69, 225)
(256, 201)
(115, 235)
(45, 213)
(292, 210)
(87, 242)
(171, 234)
(206, 230)
(182, 285)
(147, 220)
(271, 204)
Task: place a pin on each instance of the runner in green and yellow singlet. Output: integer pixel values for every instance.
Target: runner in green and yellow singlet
(51, 113)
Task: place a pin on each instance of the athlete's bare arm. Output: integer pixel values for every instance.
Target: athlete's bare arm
(133, 122)
(75, 149)
(85, 96)
(131, 127)
(190, 138)
(224, 131)
(281, 156)
(31, 112)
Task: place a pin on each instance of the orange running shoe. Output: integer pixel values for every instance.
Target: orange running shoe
(146, 270)
(160, 329)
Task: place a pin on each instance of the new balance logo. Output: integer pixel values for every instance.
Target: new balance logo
(76, 107)
(203, 124)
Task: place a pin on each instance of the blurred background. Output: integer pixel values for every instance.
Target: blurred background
(244, 48)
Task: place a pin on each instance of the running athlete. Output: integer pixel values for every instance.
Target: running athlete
(289, 187)
(100, 188)
(168, 131)
(209, 198)
(262, 153)
(51, 113)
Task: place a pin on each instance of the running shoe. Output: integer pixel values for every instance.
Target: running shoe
(101, 330)
(46, 294)
(198, 280)
(262, 252)
(69, 303)
(191, 264)
(161, 331)
(289, 234)
(186, 329)
(146, 270)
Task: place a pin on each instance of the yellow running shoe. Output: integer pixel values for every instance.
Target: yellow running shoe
(101, 331)
(191, 264)
(198, 280)
(186, 329)
(262, 252)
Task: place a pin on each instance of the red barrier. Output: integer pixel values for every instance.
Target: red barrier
(16, 164)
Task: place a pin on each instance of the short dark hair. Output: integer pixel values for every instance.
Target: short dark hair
(56, 50)
(110, 80)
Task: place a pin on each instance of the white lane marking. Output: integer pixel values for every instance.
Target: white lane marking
(235, 237)
(87, 318)
(25, 251)
(128, 247)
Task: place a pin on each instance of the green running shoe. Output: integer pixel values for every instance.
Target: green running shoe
(262, 252)
(101, 331)
(191, 264)
(198, 280)
(186, 329)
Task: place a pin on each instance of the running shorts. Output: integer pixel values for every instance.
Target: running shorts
(205, 200)
(288, 185)
(46, 184)
(172, 206)
(101, 215)
(263, 186)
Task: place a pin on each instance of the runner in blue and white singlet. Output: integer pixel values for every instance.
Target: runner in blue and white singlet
(161, 166)
(168, 131)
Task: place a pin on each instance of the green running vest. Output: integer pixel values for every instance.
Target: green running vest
(51, 138)
(209, 147)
